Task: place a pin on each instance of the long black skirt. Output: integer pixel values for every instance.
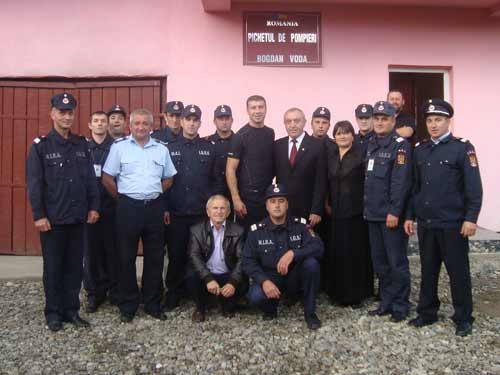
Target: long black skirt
(349, 272)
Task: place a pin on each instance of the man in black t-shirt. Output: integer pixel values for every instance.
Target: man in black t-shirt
(405, 123)
(249, 168)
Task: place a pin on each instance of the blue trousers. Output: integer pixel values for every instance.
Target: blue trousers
(390, 262)
(303, 276)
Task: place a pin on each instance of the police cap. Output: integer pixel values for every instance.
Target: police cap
(192, 110)
(364, 111)
(174, 107)
(63, 100)
(438, 107)
(383, 108)
(322, 112)
(117, 108)
(223, 110)
(275, 190)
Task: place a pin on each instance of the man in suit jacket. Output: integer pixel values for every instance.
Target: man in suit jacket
(299, 164)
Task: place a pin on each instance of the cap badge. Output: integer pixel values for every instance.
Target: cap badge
(380, 107)
(65, 95)
(223, 110)
(276, 189)
(430, 100)
(192, 110)
(117, 108)
(176, 107)
(65, 100)
(322, 112)
(363, 109)
(431, 108)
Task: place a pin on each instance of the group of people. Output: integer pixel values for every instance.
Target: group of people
(339, 210)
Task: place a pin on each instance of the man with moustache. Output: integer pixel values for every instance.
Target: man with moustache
(137, 171)
(405, 123)
(446, 201)
(101, 261)
(172, 116)
(299, 165)
(249, 168)
(196, 180)
(116, 121)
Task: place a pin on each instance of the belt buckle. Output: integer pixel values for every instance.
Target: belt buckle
(146, 201)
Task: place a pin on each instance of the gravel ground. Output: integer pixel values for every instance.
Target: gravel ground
(348, 343)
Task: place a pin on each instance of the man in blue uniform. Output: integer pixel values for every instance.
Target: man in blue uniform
(320, 123)
(63, 194)
(143, 171)
(387, 187)
(172, 116)
(101, 261)
(196, 180)
(223, 120)
(446, 201)
(282, 256)
(363, 113)
(249, 167)
(116, 121)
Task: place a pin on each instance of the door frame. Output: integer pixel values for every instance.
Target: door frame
(446, 71)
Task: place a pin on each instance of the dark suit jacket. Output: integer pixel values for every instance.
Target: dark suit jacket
(306, 180)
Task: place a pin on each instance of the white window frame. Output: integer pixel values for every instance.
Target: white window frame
(444, 72)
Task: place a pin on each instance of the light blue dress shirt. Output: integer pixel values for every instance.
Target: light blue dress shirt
(139, 171)
(216, 263)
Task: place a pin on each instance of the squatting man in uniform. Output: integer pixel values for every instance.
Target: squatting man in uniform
(446, 200)
(282, 256)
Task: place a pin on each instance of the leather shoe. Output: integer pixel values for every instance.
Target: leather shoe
(198, 316)
(379, 312)
(78, 322)
(157, 315)
(420, 322)
(463, 329)
(126, 318)
(313, 322)
(397, 317)
(55, 325)
(268, 316)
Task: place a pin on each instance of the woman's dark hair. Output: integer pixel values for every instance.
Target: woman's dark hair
(343, 127)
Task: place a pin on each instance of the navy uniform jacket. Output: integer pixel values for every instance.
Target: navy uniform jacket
(166, 135)
(447, 189)
(221, 150)
(98, 154)
(388, 177)
(361, 141)
(61, 179)
(266, 243)
(197, 177)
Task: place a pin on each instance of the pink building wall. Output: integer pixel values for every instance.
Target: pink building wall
(201, 53)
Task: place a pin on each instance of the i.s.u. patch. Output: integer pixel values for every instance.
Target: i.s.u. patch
(472, 158)
(401, 157)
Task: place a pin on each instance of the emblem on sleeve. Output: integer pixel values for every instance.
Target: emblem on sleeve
(401, 158)
(472, 158)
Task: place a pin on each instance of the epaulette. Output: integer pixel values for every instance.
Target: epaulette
(253, 227)
(120, 139)
(464, 140)
(300, 220)
(399, 139)
(39, 139)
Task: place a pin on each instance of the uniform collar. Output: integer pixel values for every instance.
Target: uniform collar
(108, 140)
(195, 140)
(217, 137)
(385, 141)
(443, 139)
(366, 136)
(269, 224)
(61, 140)
(150, 143)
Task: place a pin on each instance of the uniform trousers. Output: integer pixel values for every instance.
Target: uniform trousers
(62, 250)
(140, 220)
(303, 276)
(390, 261)
(446, 246)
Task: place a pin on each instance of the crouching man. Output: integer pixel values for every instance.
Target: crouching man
(215, 247)
(282, 255)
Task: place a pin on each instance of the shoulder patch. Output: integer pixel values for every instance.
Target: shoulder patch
(417, 144)
(36, 140)
(300, 220)
(400, 139)
(464, 140)
(253, 227)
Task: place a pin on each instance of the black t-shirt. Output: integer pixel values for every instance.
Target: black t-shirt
(253, 147)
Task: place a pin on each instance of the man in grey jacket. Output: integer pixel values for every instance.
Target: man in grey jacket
(215, 247)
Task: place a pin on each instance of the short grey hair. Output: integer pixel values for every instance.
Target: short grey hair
(218, 196)
(142, 112)
(295, 109)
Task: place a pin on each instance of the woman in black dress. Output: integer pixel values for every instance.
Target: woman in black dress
(350, 274)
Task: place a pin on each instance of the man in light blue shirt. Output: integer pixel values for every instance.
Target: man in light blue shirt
(138, 170)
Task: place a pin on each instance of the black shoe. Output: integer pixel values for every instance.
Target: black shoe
(313, 322)
(463, 329)
(356, 306)
(290, 301)
(126, 318)
(157, 315)
(420, 322)
(78, 322)
(379, 312)
(397, 317)
(54, 325)
(172, 301)
(268, 316)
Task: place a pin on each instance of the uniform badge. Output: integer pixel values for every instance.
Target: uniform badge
(472, 158)
(65, 100)
(176, 107)
(431, 108)
(380, 107)
(322, 112)
(192, 110)
(276, 189)
(223, 110)
(401, 158)
(253, 227)
(363, 109)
